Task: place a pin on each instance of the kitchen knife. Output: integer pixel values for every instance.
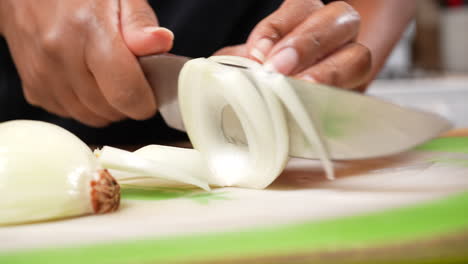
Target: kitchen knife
(162, 73)
(367, 128)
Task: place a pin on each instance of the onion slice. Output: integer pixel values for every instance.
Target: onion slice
(160, 164)
(288, 96)
(258, 102)
(208, 89)
(237, 122)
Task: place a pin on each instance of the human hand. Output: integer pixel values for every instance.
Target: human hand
(77, 58)
(310, 41)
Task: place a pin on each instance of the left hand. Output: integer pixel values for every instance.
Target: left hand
(310, 41)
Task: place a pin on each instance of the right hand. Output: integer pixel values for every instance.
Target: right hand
(77, 58)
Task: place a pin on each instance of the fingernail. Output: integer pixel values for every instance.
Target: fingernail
(307, 77)
(168, 31)
(262, 47)
(283, 62)
(151, 29)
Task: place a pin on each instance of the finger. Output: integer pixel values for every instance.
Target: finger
(86, 89)
(348, 67)
(237, 50)
(277, 25)
(91, 97)
(56, 95)
(36, 89)
(66, 65)
(324, 31)
(140, 29)
(75, 108)
(118, 74)
(46, 101)
(60, 94)
(35, 82)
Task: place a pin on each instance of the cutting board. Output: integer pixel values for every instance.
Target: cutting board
(408, 208)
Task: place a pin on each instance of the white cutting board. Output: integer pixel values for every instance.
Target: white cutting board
(300, 194)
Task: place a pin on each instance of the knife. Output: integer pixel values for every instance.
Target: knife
(370, 128)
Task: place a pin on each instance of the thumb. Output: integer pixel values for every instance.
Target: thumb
(141, 30)
(277, 25)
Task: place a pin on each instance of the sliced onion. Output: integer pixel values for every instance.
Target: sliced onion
(258, 100)
(206, 90)
(161, 165)
(287, 95)
(237, 121)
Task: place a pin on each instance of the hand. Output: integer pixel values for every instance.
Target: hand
(310, 41)
(76, 58)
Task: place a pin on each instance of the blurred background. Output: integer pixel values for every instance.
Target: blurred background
(429, 67)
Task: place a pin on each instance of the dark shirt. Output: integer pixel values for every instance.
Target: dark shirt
(200, 27)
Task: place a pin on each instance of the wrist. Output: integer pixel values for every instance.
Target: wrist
(3, 8)
(2, 16)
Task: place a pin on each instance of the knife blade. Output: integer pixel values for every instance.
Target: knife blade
(370, 128)
(162, 73)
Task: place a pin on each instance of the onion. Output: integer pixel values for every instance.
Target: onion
(165, 163)
(48, 173)
(210, 91)
(215, 101)
(244, 122)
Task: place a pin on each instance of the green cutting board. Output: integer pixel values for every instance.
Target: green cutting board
(410, 208)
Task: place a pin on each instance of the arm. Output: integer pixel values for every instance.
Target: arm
(382, 23)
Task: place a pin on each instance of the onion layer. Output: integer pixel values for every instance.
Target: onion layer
(211, 93)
